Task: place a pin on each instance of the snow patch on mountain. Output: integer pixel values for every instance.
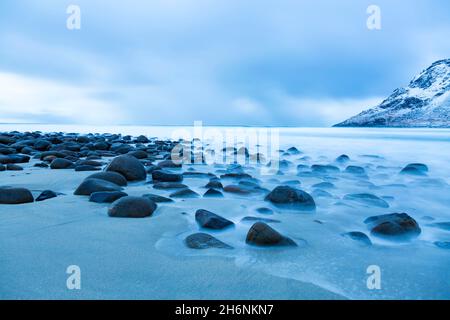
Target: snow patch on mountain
(425, 102)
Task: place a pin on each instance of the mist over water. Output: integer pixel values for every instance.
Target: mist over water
(415, 269)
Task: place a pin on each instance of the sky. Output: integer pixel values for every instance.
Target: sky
(224, 62)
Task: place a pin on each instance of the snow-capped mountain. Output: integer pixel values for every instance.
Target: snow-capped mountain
(425, 102)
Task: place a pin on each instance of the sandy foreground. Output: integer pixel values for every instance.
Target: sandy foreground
(118, 258)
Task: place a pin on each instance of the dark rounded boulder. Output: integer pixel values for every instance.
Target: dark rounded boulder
(291, 198)
(358, 236)
(399, 225)
(132, 207)
(13, 167)
(110, 176)
(15, 195)
(184, 193)
(157, 198)
(130, 167)
(204, 241)
(61, 163)
(367, 199)
(261, 234)
(419, 169)
(213, 193)
(89, 186)
(210, 220)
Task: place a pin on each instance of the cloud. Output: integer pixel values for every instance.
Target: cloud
(31, 99)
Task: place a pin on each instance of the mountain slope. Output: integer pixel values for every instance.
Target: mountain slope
(425, 102)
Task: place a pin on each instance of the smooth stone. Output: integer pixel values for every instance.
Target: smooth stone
(164, 176)
(324, 185)
(368, 199)
(10, 195)
(261, 234)
(41, 165)
(343, 158)
(317, 193)
(393, 225)
(61, 163)
(291, 198)
(355, 170)
(138, 154)
(293, 150)
(441, 225)
(213, 193)
(210, 220)
(184, 193)
(215, 184)
(132, 207)
(110, 176)
(91, 185)
(130, 167)
(106, 196)
(205, 241)
(2, 167)
(319, 168)
(358, 236)
(46, 194)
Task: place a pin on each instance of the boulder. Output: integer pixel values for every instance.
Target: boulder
(132, 207)
(165, 176)
(213, 193)
(13, 167)
(15, 195)
(184, 193)
(61, 163)
(169, 185)
(419, 169)
(130, 167)
(91, 185)
(261, 234)
(157, 198)
(291, 198)
(392, 225)
(358, 236)
(210, 220)
(367, 199)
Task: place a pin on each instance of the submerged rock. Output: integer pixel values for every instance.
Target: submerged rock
(261, 234)
(343, 158)
(358, 236)
(215, 184)
(13, 167)
(46, 194)
(291, 198)
(91, 185)
(441, 225)
(205, 241)
(210, 220)
(130, 167)
(393, 225)
(10, 195)
(132, 207)
(368, 199)
(355, 170)
(264, 211)
(442, 244)
(419, 169)
(169, 185)
(254, 219)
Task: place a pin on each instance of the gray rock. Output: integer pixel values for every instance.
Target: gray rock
(419, 169)
(254, 219)
(169, 185)
(213, 193)
(13, 167)
(261, 234)
(15, 195)
(130, 167)
(204, 241)
(264, 211)
(132, 207)
(86, 167)
(442, 244)
(209, 220)
(184, 193)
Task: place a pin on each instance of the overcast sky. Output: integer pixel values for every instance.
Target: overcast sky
(224, 62)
